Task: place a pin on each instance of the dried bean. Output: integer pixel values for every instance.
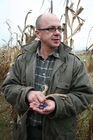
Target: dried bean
(42, 106)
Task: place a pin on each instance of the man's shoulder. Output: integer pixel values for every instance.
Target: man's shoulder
(31, 47)
(19, 56)
(27, 50)
(73, 55)
(75, 59)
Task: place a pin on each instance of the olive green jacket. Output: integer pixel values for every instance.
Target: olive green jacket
(69, 77)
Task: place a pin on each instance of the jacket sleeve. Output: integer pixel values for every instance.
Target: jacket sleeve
(80, 93)
(13, 89)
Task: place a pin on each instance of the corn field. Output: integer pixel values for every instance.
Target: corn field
(8, 55)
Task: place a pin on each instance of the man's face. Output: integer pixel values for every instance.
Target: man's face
(50, 32)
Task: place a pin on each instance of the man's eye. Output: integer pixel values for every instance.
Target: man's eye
(59, 28)
(51, 29)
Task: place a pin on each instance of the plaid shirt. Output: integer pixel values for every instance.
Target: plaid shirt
(42, 77)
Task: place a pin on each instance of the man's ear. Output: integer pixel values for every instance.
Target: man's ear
(37, 33)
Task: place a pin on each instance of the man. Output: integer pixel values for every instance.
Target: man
(47, 62)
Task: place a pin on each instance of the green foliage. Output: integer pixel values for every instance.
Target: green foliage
(3, 123)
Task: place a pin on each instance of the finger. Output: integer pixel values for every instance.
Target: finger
(41, 98)
(34, 105)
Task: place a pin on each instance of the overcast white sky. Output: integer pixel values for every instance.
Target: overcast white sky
(14, 12)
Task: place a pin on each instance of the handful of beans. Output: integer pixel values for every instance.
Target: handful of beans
(42, 106)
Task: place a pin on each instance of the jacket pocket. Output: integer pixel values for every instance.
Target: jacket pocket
(62, 87)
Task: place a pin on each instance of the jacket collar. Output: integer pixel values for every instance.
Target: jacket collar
(64, 50)
(32, 47)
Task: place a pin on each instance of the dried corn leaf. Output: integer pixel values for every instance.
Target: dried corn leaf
(8, 25)
(29, 38)
(9, 28)
(79, 10)
(68, 22)
(20, 29)
(75, 31)
(72, 22)
(32, 28)
(27, 17)
(78, 4)
(71, 10)
(71, 42)
(4, 41)
(78, 18)
(89, 47)
(20, 42)
(42, 4)
(29, 26)
(61, 17)
(71, 6)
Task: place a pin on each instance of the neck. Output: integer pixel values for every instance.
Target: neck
(45, 52)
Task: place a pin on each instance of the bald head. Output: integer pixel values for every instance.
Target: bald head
(44, 19)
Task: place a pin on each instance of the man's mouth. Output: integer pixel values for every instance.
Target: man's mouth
(55, 39)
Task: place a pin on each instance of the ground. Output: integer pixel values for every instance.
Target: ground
(6, 123)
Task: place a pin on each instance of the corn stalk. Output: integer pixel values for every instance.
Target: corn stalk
(65, 24)
(69, 23)
(88, 39)
(27, 32)
(51, 6)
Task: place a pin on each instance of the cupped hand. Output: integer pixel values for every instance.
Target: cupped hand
(47, 110)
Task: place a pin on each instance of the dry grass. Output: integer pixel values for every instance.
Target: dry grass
(7, 56)
(85, 119)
